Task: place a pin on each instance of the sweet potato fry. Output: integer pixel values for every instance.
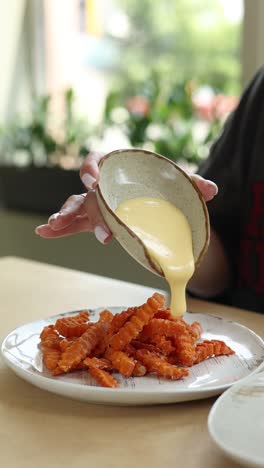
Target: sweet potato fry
(51, 358)
(162, 327)
(208, 349)
(160, 367)
(136, 323)
(82, 347)
(50, 338)
(121, 362)
(185, 352)
(101, 363)
(103, 378)
(73, 326)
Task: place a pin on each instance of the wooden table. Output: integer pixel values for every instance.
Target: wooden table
(40, 429)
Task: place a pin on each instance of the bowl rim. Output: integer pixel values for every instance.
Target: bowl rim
(152, 264)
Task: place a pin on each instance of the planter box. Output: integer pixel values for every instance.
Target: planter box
(37, 190)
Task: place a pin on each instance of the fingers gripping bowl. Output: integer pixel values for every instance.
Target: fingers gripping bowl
(127, 174)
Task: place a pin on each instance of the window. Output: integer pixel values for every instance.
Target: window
(157, 74)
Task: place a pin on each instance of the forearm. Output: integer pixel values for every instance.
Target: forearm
(213, 276)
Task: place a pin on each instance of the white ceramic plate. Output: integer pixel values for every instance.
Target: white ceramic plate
(21, 353)
(236, 421)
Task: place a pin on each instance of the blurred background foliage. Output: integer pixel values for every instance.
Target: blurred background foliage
(173, 79)
(38, 140)
(180, 40)
(179, 120)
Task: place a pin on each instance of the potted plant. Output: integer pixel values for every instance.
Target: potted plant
(38, 163)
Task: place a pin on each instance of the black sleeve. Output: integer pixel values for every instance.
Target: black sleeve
(230, 162)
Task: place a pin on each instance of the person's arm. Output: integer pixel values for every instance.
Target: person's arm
(213, 276)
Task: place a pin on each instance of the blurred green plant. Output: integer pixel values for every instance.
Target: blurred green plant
(167, 119)
(179, 39)
(41, 142)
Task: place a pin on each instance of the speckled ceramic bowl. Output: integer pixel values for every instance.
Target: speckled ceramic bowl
(132, 173)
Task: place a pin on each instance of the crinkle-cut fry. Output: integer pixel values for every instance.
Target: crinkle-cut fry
(57, 371)
(155, 364)
(83, 346)
(103, 378)
(119, 320)
(185, 352)
(123, 363)
(137, 344)
(100, 348)
(195, 330)
(78, 367)
(51, 358)
(221, 348)
(73, 326)
(167, 328)
(139, 370)
(101, 363)
(165, 314)
(46, 331)
(50, 338)
(66, 342)
(130, 350)
(210, 348)
(164, 346)
(135, 324)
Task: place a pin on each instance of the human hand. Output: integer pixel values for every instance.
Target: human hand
(80, 213)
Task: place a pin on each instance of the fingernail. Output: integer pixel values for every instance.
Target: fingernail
(38, 229)
(53, 217)
(101, 234)
(88, 181)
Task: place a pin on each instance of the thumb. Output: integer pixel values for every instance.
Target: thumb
(207, 188)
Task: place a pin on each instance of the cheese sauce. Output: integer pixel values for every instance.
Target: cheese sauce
(166, 234)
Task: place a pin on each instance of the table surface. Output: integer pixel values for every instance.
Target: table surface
(44, 430)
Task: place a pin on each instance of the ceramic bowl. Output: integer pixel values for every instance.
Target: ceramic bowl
(132, 173)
